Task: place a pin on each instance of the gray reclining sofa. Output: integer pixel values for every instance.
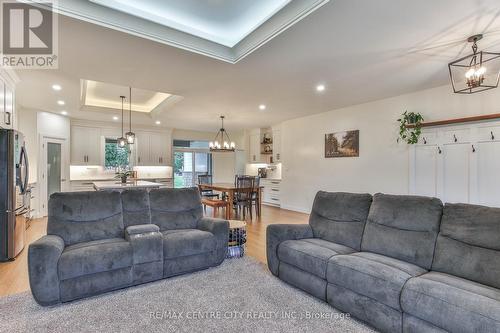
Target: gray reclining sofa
(101, 241)
(398, 263)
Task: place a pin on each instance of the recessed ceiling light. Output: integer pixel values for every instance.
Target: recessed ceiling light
(320, 87)
(64, 113)
(61, 102)
(56, 87)
(157, 122)
(115, 118)
(262, 107)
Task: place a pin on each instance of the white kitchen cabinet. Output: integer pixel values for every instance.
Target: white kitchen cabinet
(458, 164)
(142, 142)
(254, 152)
(7, 104)
(276, 145)
(85, 145)
(271, 191)
(153, 149)
(160, 150)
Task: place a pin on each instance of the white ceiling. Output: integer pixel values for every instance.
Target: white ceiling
(362, 50)
(224, 22)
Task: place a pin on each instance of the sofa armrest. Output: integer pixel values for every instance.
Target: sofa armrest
(278, 233)
(141, 229)
(146, 241)
(43, 257)
(220, 229)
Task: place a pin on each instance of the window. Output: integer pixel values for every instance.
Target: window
(115, 156)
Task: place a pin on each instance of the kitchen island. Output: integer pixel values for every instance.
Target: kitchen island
(130, 185)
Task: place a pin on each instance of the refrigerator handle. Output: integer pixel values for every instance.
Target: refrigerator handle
(24, 159)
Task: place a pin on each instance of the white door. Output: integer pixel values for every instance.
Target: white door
(426, 158)
(456, 173)
(53, 170)
(487, 177)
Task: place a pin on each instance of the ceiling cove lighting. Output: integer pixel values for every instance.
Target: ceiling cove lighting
(130, 135)
(222, 142)
(56, 87)
(476, 72)
(61, 102)
(122, 142)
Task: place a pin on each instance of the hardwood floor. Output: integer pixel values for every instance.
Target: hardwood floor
(14, 274)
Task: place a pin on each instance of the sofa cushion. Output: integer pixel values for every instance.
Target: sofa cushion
(468, 244)
(310, 255)
(94, 257)
(372, 275)
(403, 227)
(175, 208)
(452, 303)
(340, 217)
(135, 205)
(187, 242)
(85, 216)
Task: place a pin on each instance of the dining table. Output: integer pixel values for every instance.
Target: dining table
(230, 189)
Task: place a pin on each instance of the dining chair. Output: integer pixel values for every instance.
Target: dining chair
(207, 180)
(244, 193)
(255, 195)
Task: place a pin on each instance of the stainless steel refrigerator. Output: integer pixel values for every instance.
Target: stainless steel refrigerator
(13, 186)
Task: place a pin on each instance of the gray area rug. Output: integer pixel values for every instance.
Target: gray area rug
(241, 295)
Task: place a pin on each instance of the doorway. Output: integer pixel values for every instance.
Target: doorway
(188, 165)
(52, 171)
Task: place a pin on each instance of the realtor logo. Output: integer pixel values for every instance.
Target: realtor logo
(29, 35)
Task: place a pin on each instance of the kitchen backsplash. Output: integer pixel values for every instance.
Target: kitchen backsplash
(98, 172)
(273, 171)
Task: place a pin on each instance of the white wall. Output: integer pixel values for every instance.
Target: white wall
(383, 164)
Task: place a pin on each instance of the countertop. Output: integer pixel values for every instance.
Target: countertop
(117, 185)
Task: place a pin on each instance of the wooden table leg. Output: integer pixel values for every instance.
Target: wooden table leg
(260, 201)
(230, 194)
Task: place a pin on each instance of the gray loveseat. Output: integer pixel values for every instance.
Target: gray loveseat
(101, 241)
(399, 263)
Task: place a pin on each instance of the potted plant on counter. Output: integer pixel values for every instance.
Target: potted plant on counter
(123, 175)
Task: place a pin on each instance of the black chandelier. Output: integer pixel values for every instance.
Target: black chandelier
(222, 142)
(130, 136)
(122, 141)
(476, 72)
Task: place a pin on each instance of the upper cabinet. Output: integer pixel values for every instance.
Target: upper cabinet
(151, 148)
(265, 145)
(7, 101)
(276, 145)
(85, 145)
(154, 149)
